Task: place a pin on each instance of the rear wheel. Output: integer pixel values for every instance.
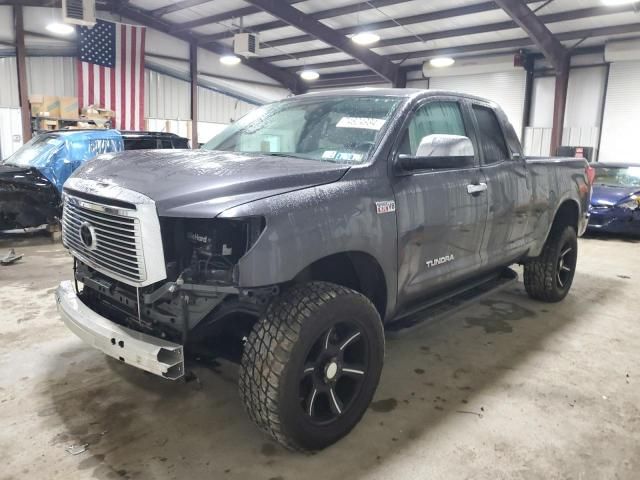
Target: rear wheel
(549, 277)
(312, 364)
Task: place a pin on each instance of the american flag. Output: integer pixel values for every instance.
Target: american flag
(111, 71)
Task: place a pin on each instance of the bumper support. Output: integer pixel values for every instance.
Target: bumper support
(143, 351)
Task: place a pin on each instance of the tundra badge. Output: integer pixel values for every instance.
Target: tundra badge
(439, 261)
(385, 207)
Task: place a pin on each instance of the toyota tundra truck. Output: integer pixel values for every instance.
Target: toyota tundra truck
(302, 233)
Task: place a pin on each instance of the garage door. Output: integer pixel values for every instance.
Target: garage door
(505, 88)
(621, 114)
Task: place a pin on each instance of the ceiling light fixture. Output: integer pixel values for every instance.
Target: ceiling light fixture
(365, 38)
(230, 60)
(309, 75)
(440, 62)
(60, 28)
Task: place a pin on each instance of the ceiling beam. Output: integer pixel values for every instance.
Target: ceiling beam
(383, 67)
(516, 43)
(553, 50)
(320, 15)
(404, 21)
(285, 78)
(176, 7)
(464, 31)
(221, 17)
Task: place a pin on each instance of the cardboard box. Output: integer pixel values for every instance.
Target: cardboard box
(44, 106)
(69, 107)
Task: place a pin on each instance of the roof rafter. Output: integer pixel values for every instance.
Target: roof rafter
(523, 42)
(285, 78)
(319, 15)
(463, 31)
(403, 21)
(553, 50)
(221, 17)
(382, 66)
(176, 7)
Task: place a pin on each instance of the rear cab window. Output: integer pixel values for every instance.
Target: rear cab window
(490, 135)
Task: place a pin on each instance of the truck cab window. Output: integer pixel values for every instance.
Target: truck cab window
(491, 137)
(432, 118)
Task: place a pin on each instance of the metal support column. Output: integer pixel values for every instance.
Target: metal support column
(25, 111)
(193, 64)
(559, 106)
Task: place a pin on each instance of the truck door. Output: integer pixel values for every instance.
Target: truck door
(441, 212)
(508, 189)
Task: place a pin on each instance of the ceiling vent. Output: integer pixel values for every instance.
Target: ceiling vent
(79, 12)
(246, 44)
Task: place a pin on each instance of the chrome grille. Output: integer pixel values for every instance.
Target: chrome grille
(116, 248)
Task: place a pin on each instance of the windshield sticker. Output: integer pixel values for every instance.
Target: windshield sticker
(361, 122)
(349, 157)
(329, 155)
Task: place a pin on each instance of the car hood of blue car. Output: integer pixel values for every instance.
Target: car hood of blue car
(608, 195)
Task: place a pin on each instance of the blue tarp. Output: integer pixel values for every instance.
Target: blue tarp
(56, 155)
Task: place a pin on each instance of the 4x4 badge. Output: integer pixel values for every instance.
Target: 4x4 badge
(385, 207)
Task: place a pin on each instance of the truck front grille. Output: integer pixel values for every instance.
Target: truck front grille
(104, 237)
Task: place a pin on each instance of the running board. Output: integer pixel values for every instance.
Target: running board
(453, 302)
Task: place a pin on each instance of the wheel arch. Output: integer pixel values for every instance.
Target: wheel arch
(567, 213)
(356, 270)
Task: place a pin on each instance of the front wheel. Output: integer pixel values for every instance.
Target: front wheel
(311, 366)
(549, 277)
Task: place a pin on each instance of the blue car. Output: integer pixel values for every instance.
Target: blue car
(31, 179)
(615, 200)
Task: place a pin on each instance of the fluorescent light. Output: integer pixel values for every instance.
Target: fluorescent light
(230, 60)
(365, 38)
(612, 3)
(440, 62)
(309, 75)
(60, 28)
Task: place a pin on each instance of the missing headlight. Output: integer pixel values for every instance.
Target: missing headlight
(208, 249)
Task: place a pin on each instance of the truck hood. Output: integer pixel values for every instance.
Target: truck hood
(202, 183)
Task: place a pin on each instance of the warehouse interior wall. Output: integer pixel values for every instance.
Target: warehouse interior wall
(621, 122)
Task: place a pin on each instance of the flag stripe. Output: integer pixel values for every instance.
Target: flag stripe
(110, 71)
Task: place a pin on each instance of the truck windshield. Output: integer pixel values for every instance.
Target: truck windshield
(36, 152)
(341, 130)
(618, 176)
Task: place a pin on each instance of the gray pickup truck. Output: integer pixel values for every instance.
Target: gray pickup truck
(302, 232)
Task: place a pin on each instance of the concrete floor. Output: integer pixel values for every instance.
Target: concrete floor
(509, 388)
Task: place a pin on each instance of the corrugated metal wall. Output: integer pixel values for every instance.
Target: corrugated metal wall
(219, 108)
(170, 98)
(621, 114)
(10, 131)
(9, 83)
(52, 76)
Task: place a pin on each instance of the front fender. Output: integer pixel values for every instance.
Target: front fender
(307, 225)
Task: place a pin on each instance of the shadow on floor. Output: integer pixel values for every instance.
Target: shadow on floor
(140, 426)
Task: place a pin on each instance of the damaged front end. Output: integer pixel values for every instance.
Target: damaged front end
(201, 287)
(27, 199)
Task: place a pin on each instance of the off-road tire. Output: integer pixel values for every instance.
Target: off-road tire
(276, 351)
(541, 273)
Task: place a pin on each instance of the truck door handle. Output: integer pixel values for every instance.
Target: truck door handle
(476, 188)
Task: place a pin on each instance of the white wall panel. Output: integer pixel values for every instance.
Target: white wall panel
(9, 86)
(166, 97)
(621, 123)
(52, 76)
(584, 97)
(10, 131)
(219, 108)
(505, 88)
(542, 102)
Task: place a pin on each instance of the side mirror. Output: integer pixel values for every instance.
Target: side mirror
(440, 151)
